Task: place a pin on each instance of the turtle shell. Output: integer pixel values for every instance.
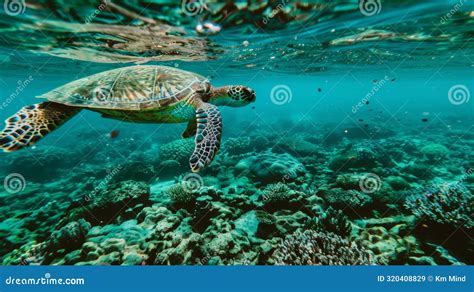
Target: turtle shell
(128, 88)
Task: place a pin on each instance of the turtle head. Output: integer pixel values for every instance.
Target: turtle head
(232, 95)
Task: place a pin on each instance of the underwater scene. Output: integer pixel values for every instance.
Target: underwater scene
(195, 132)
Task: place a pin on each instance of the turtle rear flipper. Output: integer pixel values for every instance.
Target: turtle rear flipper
(208, 136)
(32, 123)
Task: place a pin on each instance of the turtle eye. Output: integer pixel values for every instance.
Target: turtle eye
(235, 92)
(242, 93)
(205, 87)
(204, 90)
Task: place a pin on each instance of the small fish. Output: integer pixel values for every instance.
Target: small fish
(367, 102)
(424, 120)
(114, 134)
(319, 89)
(393, 79)
(208, 28)
(361, 120)
(253, 107)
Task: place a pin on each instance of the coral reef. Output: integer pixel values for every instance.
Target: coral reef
(388, 247)
(69, 237)
(297, 198)
(447, 208)
(116, 200)
(434, 152)
(333, 221)
(174, 156)
(279, 197)
(181, 196)
(238, 146)
(355, 203)
(320, 248)
(270, 167)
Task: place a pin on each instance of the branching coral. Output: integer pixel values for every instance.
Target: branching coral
(181, 196)
(278, 192)
(341, 199)
(280, 196)
(332, 221)
(320, 248)
(452, 207)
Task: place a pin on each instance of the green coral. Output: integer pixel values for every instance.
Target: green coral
(181, 196)
(278, 192)
(351, 201)
(238, 146)
(280, 196)
(178, 150)
(113, 202)
(269, 167)
(69, 237)
(434, 152)
(397, 183)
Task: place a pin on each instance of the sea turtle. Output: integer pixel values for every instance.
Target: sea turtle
(143, 93)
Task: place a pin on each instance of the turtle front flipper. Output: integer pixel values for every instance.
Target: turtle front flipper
(208, 136)
(32, 123)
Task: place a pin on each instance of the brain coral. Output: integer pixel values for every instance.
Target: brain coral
(178, 150)
(271, 167)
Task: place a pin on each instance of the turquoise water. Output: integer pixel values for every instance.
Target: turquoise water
(360, 138)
